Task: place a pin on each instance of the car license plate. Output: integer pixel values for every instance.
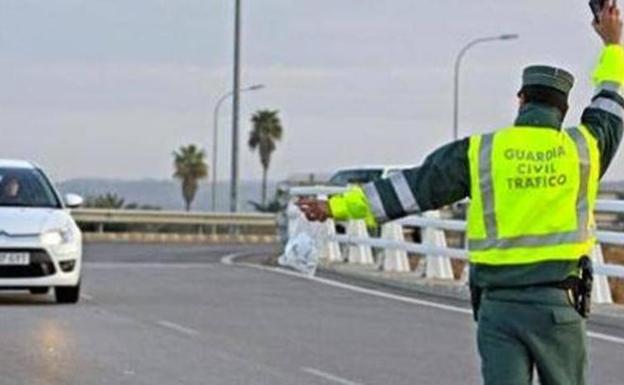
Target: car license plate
(14, 259)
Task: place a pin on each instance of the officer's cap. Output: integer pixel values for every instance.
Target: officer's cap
(541, 75)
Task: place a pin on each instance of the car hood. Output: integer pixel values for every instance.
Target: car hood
(29, 221)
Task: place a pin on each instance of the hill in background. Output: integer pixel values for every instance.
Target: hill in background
(166, 194)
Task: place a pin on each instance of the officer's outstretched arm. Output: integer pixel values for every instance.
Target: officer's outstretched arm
(605, 115)
(443, 178)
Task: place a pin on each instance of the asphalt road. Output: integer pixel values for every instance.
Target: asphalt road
(175, 315)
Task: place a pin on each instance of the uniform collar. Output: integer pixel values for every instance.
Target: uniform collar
(539, 115)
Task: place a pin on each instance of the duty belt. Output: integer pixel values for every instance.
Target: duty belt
(579, 289)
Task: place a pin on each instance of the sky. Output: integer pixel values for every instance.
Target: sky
(109, 88)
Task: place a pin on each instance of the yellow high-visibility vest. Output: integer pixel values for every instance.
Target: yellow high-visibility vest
(533, 193)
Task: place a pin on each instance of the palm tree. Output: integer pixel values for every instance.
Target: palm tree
(190, 166)
(266, 131)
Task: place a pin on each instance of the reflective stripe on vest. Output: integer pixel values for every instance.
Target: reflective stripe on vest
(491, 246)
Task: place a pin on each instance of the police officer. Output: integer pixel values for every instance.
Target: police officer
(533, 188)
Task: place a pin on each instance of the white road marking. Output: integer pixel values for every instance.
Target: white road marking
(178, 328)
(329, 376)
(86, 297)
(148, 265)
(399, 298)
(606, 337)
(229, 259)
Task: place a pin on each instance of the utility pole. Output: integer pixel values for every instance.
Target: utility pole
(235, 109)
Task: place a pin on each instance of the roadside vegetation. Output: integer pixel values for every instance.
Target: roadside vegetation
(111, 201)
(277, 204)
(114, 201)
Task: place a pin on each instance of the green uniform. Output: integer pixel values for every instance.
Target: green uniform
(521, 326)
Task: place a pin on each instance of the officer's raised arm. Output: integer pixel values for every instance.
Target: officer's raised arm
(604, 116)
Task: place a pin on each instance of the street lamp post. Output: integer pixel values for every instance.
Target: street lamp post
(215, 140)
(458, 61)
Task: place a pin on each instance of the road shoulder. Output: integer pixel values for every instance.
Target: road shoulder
(604, 319)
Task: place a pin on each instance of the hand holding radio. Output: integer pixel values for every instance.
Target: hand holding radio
(607, 20)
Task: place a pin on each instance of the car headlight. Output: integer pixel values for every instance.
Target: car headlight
(57, 237)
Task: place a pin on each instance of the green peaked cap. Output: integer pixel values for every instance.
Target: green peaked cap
(541, 75)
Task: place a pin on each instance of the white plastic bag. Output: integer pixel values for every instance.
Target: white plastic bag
(304, 246)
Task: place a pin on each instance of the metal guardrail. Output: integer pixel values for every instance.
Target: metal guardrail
(608, 237)
(316, 190)
(100, 217)
(439, 250)
(610, 206)
(411, 247)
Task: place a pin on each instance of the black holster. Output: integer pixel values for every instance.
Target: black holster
(579, 287)
(582, 291)
(475, 300)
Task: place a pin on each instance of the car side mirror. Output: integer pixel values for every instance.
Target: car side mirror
(73, 201)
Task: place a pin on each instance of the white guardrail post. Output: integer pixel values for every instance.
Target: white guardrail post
(359, 253)
(436, 266)
(331, 251)
(394, 259)
(601, 292)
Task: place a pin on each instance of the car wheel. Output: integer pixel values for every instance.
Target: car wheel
(39, 290)
(67, 294)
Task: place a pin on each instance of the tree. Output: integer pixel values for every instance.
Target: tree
(266, 131)
(190, 166)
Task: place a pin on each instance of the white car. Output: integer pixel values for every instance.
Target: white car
(40, 244)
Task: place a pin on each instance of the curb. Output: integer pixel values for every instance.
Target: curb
(456, 293)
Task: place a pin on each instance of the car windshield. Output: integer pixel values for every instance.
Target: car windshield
(22, 187)
(346, 177)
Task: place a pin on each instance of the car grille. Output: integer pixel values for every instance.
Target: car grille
(40, 265)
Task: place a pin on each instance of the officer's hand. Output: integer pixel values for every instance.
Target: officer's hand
(314, 209)
(609, 26)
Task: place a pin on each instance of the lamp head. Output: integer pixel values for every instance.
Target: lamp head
(510, 36)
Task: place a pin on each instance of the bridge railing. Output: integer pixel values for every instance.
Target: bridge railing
(358, 244)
